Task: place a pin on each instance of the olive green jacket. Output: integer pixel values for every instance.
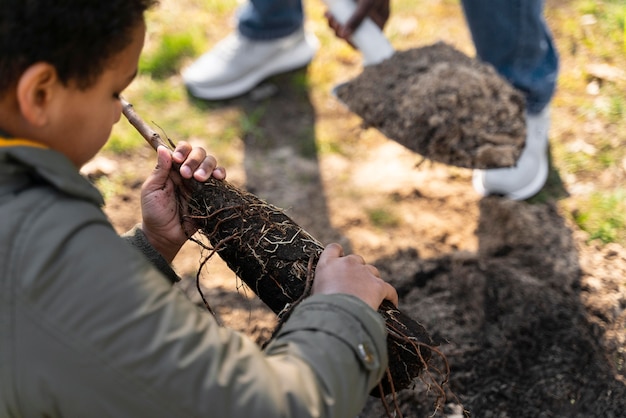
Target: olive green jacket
(92, 327)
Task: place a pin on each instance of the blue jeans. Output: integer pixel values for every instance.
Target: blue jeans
(511, 35)
(270, 19)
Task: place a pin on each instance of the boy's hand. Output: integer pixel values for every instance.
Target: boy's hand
(336, 273)
(159, 207)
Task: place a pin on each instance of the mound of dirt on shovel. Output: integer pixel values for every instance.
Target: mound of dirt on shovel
(442, 104)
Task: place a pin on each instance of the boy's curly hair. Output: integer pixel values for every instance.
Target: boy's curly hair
(77, 37)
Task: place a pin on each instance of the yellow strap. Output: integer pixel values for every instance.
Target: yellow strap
(16, 142)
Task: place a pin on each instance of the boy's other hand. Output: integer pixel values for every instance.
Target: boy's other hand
(159, 206)
(194, 162)
(336, 273)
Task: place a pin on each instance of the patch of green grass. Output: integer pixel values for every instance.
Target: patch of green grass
(162, 93)
(123, 142)
(300, 80)
(331, 141)
(249, 122)
(165, 59)
(108, 187)
(306, 147)
(215, 6)
(603, 216)
(610, 16)
(328, 147)
(383, 217)
(616, 110)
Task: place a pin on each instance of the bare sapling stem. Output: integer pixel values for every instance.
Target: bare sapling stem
(149, 134)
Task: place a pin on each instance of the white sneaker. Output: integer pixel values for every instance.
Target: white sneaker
(237, 64)
(530, 173)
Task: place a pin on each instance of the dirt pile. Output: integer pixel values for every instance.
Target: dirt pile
(522, 340)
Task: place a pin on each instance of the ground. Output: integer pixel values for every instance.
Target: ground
(532, 318)
(531, 315)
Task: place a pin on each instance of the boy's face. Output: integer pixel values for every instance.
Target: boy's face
(86, 117)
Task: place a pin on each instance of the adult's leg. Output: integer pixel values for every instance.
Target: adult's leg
(512, 35)
(270, 19)
(270, 39)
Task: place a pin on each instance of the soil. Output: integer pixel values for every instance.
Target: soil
(442, 104)
(530, 315)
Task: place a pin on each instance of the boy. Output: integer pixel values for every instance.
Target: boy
(90, 326)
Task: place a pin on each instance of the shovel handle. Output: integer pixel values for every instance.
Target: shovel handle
(368, 37)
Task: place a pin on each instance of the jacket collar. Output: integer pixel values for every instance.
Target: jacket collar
(49, 166)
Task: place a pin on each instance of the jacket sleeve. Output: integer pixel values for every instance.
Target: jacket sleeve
(100, 332)
(137, 239)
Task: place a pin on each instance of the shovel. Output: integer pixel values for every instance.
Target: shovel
(368, 38)
(434, 100)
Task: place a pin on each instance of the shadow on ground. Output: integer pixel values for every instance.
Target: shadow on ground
(520, 342)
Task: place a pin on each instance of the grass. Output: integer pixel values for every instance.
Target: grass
(383, 218)
(610, 14)
(166, 58)
(603, 215)
(588, 134)
(588, 143)
(249, 122)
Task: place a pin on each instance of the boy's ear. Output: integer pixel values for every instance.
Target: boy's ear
(35, 90)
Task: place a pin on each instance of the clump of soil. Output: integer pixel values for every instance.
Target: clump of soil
(442, 104)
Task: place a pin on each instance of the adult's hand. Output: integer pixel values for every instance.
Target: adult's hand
(377, 10)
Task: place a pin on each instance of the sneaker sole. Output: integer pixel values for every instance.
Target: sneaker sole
(525, 192)
(284, 63)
